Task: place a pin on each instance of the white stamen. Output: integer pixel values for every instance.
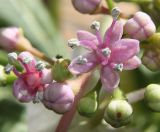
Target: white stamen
(106, 52)
(95, 25)
(40, 65)
(115, 13)
(73, 43)
(119, 67)
(8, 68)
(38, 97)
(27, 60)
(12, 57)
(81, 60)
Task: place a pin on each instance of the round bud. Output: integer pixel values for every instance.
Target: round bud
(118, 113)
(88, 104)
(86, 6)
(152, 97)
(58, 97)
(140, 26)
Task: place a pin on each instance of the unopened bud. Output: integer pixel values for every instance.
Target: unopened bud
(60, 70)
(118, 113)
(58, 97)
(152, 97)
(86, 6)
(88, 104)
(140, 26)
(151, 59)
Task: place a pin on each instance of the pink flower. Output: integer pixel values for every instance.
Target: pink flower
(58, 97)
(31, 80)
(112, 53)
(140, 26)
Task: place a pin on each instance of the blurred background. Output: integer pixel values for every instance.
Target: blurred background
(48, 24)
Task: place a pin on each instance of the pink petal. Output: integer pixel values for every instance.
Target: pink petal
(87, 39)
(124, 49)
(111, 36)
(29, 66)
(110, 78)
(132, 63)
(76, 68)
(20, 91)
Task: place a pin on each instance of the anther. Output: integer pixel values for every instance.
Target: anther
(40, 65)
(73, 43)
(8, 68)
(106, 52)
(12, 57)
(95, 25)
(81, 60)
(119, 67)
(115, 13)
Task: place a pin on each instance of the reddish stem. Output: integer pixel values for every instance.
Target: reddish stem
(66, 119)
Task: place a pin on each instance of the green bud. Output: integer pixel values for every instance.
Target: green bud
(152, 97)
(118, 113)
(60, 70)
(88, 104)
(154, 40)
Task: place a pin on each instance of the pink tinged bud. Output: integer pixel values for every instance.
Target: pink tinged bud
(9, 37)
(140, 26)
(46, 76)
(86, 6)
(58, 97)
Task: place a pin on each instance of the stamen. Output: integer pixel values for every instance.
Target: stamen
(81, 60)
(95, 25)
(115, 13)
(27, 60)
(119, 67)
(12, 57)
(40, 65)
(106, 52)
(38, 97)
(73, 43)
(8, 68)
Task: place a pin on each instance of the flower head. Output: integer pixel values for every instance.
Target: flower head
(112, 53)
(31, 80)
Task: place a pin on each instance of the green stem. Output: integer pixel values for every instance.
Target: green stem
(135, 1)
(110, 4)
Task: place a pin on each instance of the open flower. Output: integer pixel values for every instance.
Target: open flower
(31, 80)
(112, 53)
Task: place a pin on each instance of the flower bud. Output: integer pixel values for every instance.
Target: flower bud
(88, 104)
(118, 113)
(86, 6)
(151, 59)
(60, 70)
(152, 96)
(58, 97)
(11, 38)
(140, 26)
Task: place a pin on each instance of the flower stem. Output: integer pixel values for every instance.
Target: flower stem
(110, 4)
(66, 119)
(136, 1)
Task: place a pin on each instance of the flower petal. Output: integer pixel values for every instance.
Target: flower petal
(20, 91)
(110, 78)
(87, 39)
(132, 63)
(115, 34)
(124, 49)
(76, 68)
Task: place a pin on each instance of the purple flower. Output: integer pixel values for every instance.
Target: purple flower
(112, 54)
(58, 97)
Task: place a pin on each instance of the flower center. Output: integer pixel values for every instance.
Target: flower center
(106, 52)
